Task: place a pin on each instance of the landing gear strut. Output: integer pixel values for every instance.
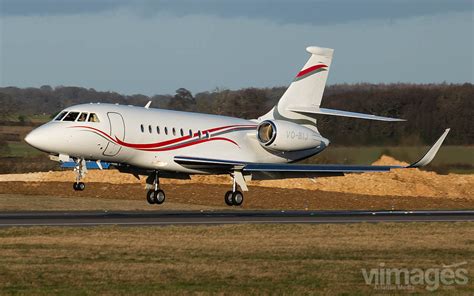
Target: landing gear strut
(155, 195)
(234, 197)
(80, 169)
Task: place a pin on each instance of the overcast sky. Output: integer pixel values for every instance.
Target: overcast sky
(155, 47)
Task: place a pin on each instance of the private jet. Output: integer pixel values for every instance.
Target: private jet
(156, 143)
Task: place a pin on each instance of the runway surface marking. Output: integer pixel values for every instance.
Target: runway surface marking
(148, 218)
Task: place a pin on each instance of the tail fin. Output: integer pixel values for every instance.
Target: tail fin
(308, 86)
(306, 90)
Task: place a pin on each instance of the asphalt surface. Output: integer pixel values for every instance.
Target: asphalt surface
(143, 218)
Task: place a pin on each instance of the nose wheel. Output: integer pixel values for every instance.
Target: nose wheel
(78, 186)
(80, 169)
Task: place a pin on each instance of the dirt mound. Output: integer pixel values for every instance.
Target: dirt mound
(398, 182)
(387, 160)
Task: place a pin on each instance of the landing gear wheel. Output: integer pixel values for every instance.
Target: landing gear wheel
(150, 197)
(237, 198)
(80, 186)
(159, 197)
(228, 198)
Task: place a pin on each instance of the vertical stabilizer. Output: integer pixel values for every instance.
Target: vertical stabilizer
(307, 88)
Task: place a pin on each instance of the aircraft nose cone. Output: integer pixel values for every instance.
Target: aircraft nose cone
(39, 138)
(32, 138)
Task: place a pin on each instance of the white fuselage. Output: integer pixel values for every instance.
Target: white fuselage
(151, 138)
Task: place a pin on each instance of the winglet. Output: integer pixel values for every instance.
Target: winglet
(428, 157)
(148, 105)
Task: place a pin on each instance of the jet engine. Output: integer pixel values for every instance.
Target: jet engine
(288, 136)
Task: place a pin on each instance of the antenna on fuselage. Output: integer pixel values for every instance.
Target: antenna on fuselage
(148, 105)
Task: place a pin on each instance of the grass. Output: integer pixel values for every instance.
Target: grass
(230, 259)
(18, 202)
(20, 149)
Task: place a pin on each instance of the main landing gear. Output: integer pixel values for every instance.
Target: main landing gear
(155, 195)
(80, 169)
(234, 197)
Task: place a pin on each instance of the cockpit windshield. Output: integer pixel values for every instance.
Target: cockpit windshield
(60, 116)
(77, 116)
(71, 116)
(82, 117)
(93, 118)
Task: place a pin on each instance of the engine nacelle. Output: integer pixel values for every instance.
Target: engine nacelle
(287, 136)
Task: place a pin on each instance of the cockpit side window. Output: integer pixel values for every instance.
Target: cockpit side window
(60, 116)
(82, 117)
(93, 118)
(71, 116)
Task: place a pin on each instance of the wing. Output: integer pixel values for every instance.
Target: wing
(286, 170)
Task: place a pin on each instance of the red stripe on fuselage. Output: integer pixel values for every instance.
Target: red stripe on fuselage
(150, 146)
(192, 144)
(310, 69)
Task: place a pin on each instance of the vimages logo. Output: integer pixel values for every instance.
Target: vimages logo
(447, 276)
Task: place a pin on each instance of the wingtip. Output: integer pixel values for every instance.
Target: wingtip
(429, 156)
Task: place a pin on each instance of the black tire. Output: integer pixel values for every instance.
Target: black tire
(150, 197)
(74, 186)
(228, 198)
(159, 197)
(237, 198)
(81, 186)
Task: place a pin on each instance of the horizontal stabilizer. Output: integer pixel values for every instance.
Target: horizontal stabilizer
(334, 112)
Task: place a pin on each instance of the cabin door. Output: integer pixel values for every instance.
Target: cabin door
(117, 130)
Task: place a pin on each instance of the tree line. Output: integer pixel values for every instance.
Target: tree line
(428, 108)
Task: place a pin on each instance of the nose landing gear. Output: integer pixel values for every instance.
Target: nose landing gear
(155, 195)
(79, 186)
(80, 169)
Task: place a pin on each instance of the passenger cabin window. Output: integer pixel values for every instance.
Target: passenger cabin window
(142, 128)
(93, 118)
(199, 134)
(174, 131)
(191, 133)
(60, 116)
(82, 117)
(158, 130)
(181, 132)
(71, 116)
(149, 129)
(166, 130)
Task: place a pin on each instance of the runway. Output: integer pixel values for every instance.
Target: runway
(143, 218)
